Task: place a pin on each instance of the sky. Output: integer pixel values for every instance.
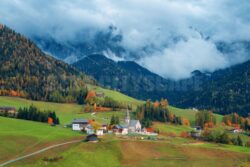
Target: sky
(180, 36)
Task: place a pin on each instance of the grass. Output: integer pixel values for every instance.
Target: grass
(116, 95)
(190, 114)
(20, 136)
(169, 128)
(65, 112)
(125, 153)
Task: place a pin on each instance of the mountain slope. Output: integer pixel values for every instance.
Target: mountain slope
(26, 70)
(223, 91)
(126, 76)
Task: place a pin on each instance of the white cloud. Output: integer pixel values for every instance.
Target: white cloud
(143, 23)
(177, 61)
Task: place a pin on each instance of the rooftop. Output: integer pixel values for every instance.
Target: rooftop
(80, 121)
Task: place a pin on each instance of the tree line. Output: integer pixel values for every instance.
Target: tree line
(237, 121)
(205, 119)
(32, 113)
(158, 111)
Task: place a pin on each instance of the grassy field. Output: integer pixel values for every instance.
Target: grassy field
(168, 128)
(19, 136)
(128, 153)
(66, 112)
(190, 114)
(116, 95)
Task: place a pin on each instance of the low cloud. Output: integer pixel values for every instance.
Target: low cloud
(171, 37)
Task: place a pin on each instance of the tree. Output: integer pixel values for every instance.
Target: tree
(239, 140)
(81, 96)
(203, 118)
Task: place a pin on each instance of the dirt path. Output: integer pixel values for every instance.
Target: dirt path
(38, 152)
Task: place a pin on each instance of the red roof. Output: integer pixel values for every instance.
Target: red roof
(150, 130)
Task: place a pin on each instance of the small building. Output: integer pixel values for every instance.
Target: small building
(120, 130)
(8, 110)
(89, 129)
(79, 124)
(92, 138)
(134, 126)
(100, 94)
(117, 129)
(99, 132)
(195, 134)
(124, 130)
(236, 130)
(104, 127)
(197, 128)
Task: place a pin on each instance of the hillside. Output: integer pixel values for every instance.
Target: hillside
(126, 76)
(223, 91)
(27, 72)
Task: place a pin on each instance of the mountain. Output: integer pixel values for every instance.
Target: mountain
(72, 51)
(126, 76)
(26, 71)
(223, 91)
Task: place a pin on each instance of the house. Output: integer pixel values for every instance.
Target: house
(134, 126)
(117, 129)
(195, 134)
(99, 132)
(104, 127)
(236, 130)
(79, 124)
(100, 94)
(92, 138)
(124, 130)
(8, 110)
(120, 129)
(89, 129)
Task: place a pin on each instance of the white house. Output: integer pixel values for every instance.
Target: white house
(79, 124)
(99, 132)
(124, 130)
(134, 126)
(89, 129)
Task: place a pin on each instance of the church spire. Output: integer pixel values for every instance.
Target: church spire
(127, 118)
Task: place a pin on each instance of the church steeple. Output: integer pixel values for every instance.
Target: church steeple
(127, 118)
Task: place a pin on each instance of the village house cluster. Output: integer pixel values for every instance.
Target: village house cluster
(130, 126)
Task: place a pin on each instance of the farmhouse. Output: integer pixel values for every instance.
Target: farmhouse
(99, 132)
(79, 124)
(8, 110)
(92, 138)
(120, 130)
(89, 129)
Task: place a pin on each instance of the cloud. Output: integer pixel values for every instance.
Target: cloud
(186, 56)
(171, 37)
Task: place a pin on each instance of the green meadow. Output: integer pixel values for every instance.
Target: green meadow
(114, 152)
(19, 136)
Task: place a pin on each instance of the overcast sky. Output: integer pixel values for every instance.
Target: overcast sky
(180, 33)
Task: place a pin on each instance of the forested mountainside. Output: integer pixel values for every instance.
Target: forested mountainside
(126, 76)
(26, 71)
(223, 91)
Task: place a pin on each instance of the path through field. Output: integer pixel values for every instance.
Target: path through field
(38, 152)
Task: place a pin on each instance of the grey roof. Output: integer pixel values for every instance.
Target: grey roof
(124, 126)
(84, 121)
(7, 108)
(133, 122)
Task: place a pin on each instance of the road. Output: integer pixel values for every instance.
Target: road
(38, 152)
